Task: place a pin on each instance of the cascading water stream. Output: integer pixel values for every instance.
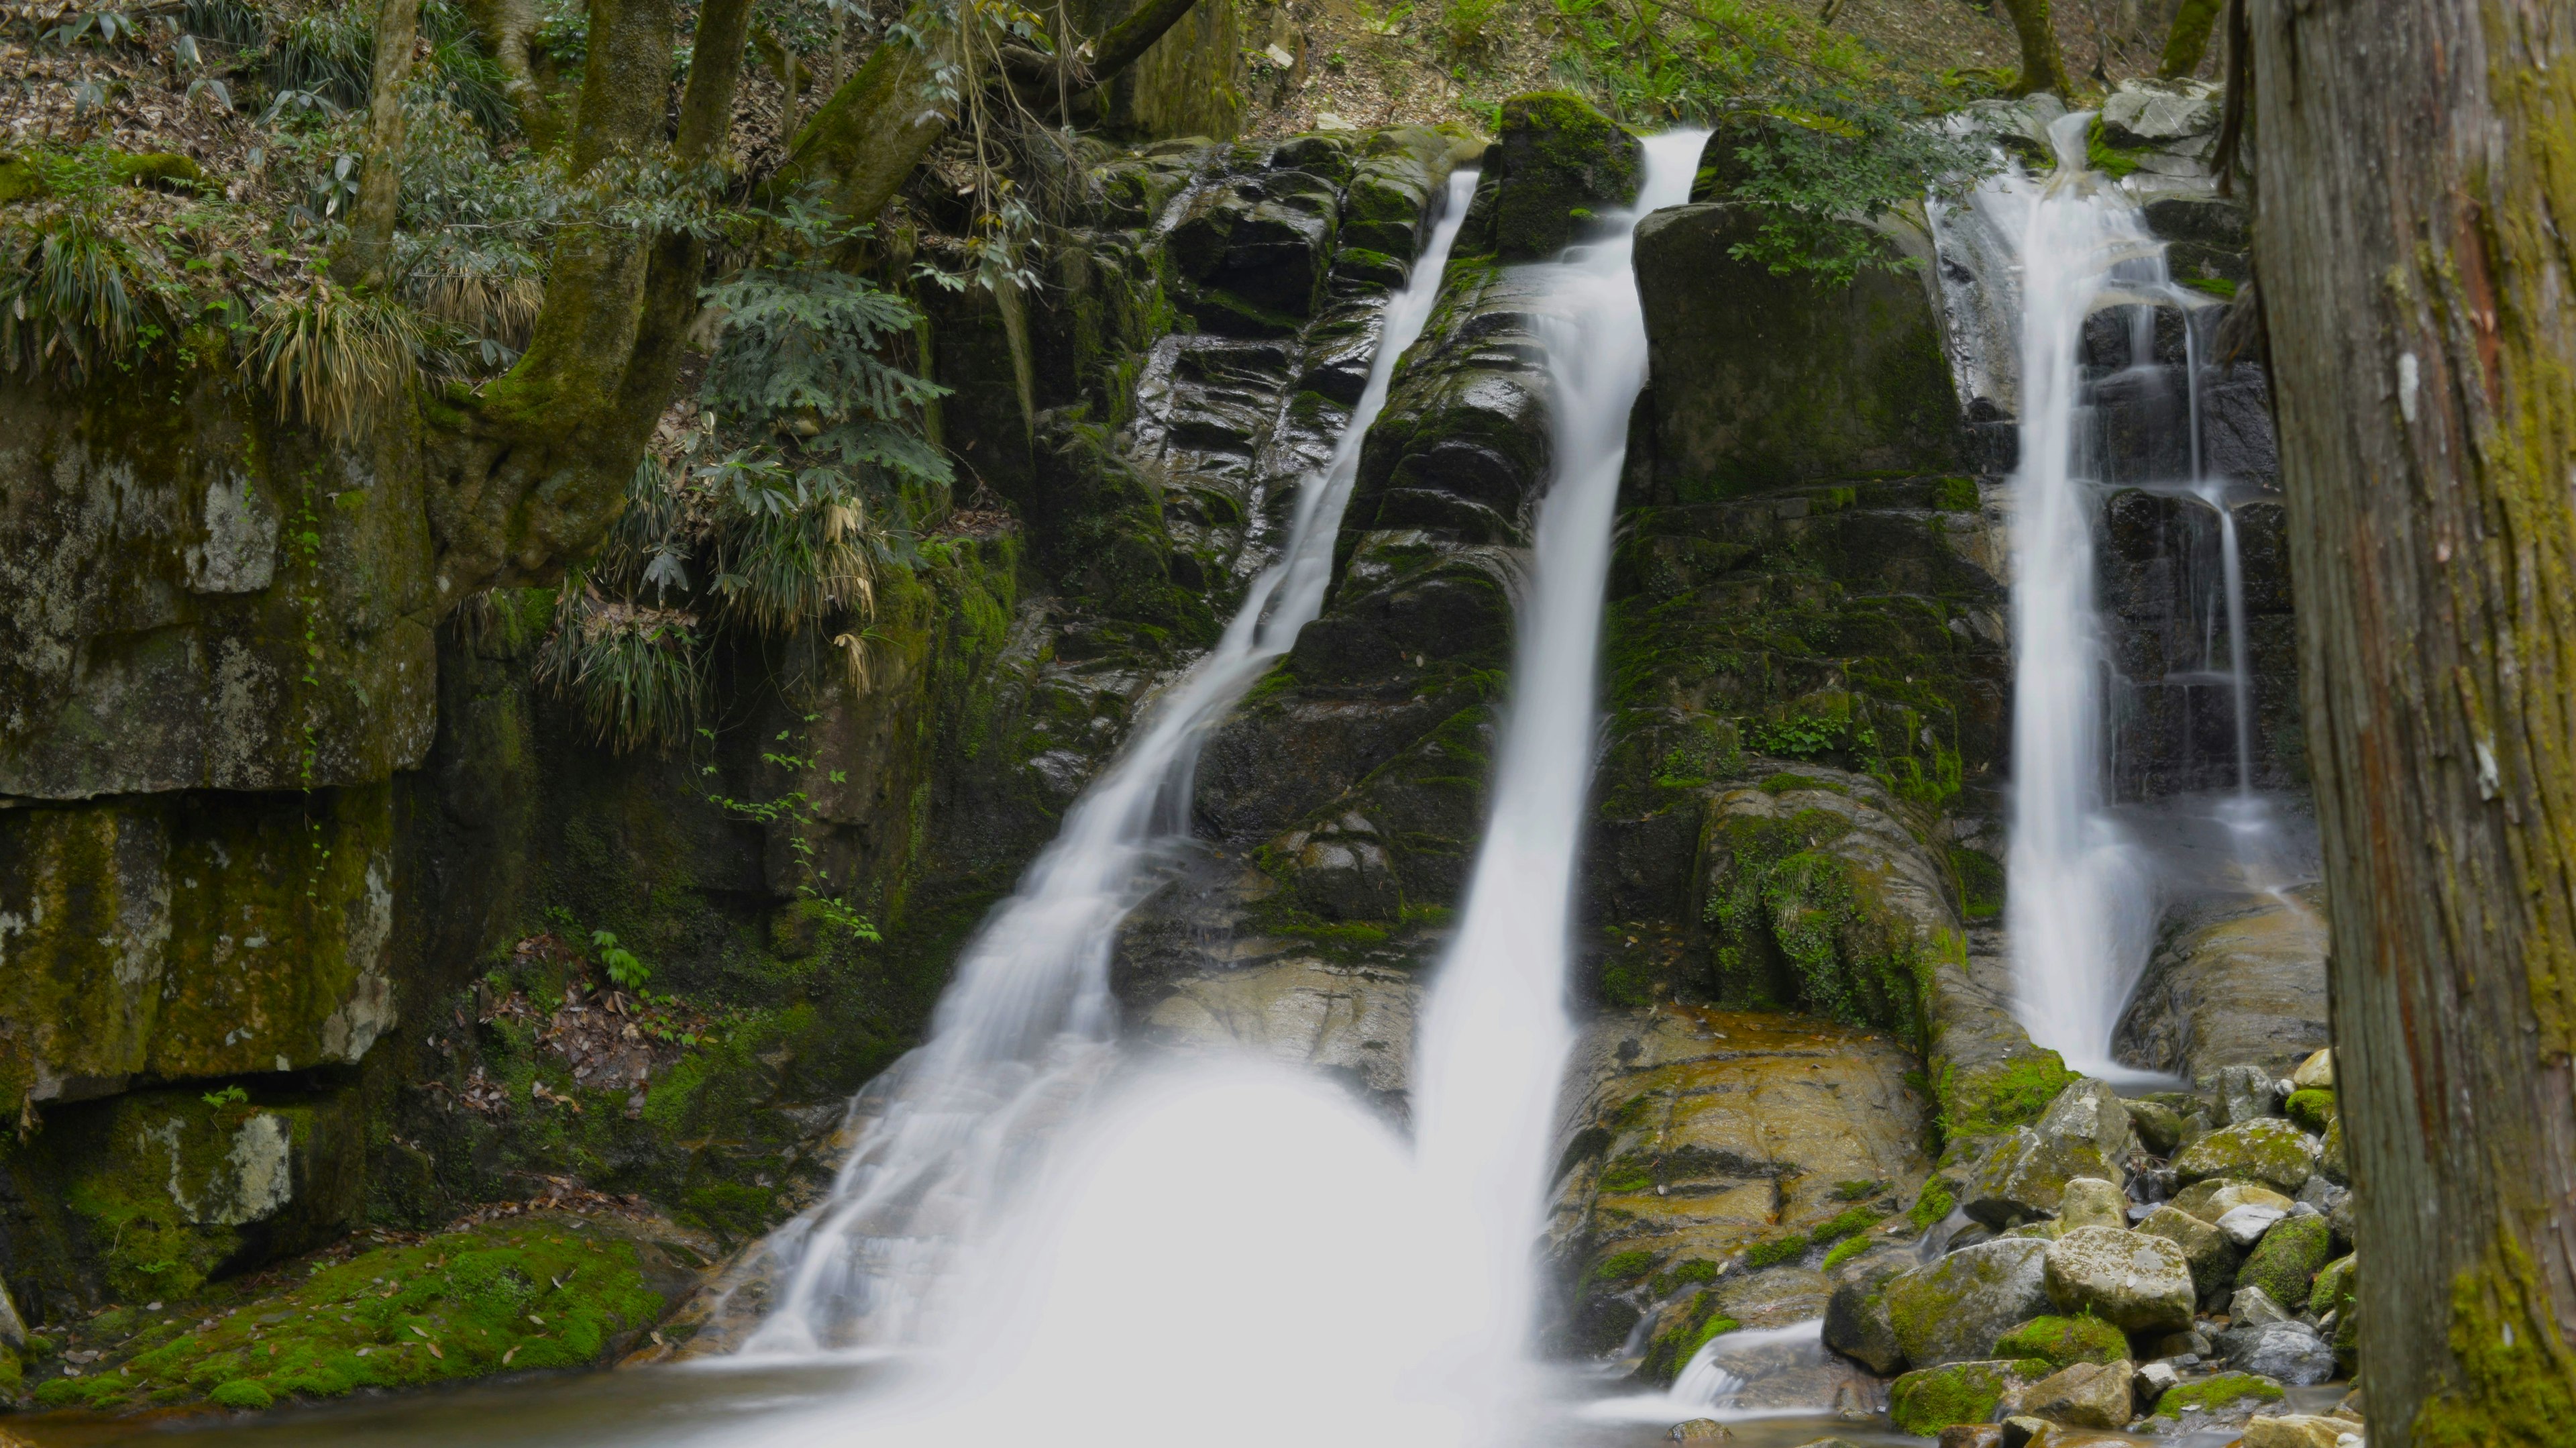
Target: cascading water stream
(2080, 906)
(1026, 1028)
(1494, 1039)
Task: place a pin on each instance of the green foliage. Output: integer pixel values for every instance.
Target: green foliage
(76, 294)
(1463, 23)
(1814, 130)
(634, 673)
(228, 1096)
(621, 964)
(333, 355)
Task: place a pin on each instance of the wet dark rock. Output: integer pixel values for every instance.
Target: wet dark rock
(2288, 1352)
(1555, 164)
(2236, 981)
(1764, 380)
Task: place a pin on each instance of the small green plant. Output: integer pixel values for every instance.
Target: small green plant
(622, 965)
(1465, 23)
(331, 355)
(228, 1096)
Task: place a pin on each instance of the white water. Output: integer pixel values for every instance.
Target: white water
(2080, 906)
(1025, 1030)
(1494, 1038)
(1230, 1251)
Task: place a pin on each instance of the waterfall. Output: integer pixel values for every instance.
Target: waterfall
(1026, 1028)
(2080, 905)
(1496, 1032)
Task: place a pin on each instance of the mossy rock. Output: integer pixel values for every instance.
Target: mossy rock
(2335, 1287)
(1927, 1400)
(2286, 1261)
(2224, 1396)
(2312, 1109)
(2267, 1150)
(2065, 1341)
(1557, 161)
(549, 1291)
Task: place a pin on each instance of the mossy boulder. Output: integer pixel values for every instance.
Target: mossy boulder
(1954, 1309)
(161, 1190)
(2217, 1401)
(1556, 163)
(2311, 1109)
(2267, 1150)
(1763, 380)
(2284, 1264)
(2065, 1341)
(2214, 1198)
(1927, 1400)
(541, 1291)
(2084, 1133)
(2137, 1281)
(2334, 1289)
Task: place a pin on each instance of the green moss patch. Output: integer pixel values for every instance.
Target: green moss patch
(2284, 1264)
(2065, 1341)
(2220, 1394)
(2314, 1110)
(1928, 1400)
(529, 1292)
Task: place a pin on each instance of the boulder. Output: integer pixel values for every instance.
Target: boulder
(1699, 1430)
(2333, 1289)
(2245, 1226)
(2137, 1281)
(2087, 1395)
(2211, 1255)
(2215, 1198)
(1762, 380)
(2064, 1341)
(2182, 1344)
(2236, 987)
(2220, 1400)
(2159, 114)
(2315, 1073)
(2084, 1133)
(2154, 1379)
(2093, 1202)
(2285, 1262)
(2311, 1109)
(1555, 163)
(2269, 1150)
(2245, 1094)
(1972, 1435)
(1927, 1400)
(2289, 1352)
(2251, 1306)
(2159, 1126)
(1953, 1310)
(1857, 1322)
(2299, 1430)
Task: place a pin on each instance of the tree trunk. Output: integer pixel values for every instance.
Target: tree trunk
(370, 242)
(505, 27)
(863, 143)
(2417, 193)
(2043, 66)
(534, 468)
(2188, 41)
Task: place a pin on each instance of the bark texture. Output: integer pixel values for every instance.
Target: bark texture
(371, 223)
(2417, 164)
(2043, 64)
(2188, 42)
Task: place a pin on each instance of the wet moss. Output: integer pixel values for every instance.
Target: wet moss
(1928, 1400)
(1794, 927)
(2065, 1341)
(524, 1294)
(2312, 1109)
(2216, 1394)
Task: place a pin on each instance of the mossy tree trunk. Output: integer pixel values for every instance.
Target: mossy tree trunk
(369, 244)
(2418, 190)
(865, 140)
(2043, 65)
(529, 473)
(2188, 42)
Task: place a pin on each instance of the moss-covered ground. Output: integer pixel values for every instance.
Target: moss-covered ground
(542, 1291)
